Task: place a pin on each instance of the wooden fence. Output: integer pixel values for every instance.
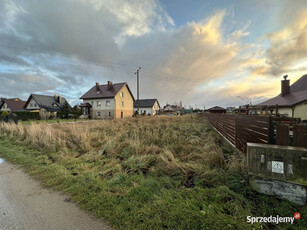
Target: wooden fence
(240, 129)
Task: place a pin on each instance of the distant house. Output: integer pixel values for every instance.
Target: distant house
(171, 108)
(46, 105)
(108, 101)
(147, 106)
(230, 109)
(12, 105)
(291, 102)
(217, 109)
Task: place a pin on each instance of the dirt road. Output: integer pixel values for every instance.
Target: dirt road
(25, 204)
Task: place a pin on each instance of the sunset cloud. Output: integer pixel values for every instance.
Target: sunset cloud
(213, 58)
(288, 46)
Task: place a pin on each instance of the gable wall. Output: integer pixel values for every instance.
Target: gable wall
(127, 109)
(32, 102)
(5, 107)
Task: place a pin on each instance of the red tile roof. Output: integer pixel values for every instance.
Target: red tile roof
(14, 104)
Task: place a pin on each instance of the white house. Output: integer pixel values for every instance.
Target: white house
(291, 102)
(147, 106)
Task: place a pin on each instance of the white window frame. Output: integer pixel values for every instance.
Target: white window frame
(122, 103)
(108, 103)
(121, 94)
(98, 103)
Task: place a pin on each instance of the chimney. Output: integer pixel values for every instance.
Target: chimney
(110, 85)
(97, 86)
(57, 98)
(285, 86)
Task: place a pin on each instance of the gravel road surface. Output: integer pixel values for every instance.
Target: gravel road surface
(25, 204)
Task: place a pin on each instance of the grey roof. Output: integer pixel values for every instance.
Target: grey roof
(299, 85)
(287, 100)
(298, 94)
(216, 108)
(105, 92)
(47, 102)
(145, 103)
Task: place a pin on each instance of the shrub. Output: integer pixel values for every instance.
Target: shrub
(24, 116)
(4, 114)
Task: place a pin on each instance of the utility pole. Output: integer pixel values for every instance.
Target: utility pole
(138, 89)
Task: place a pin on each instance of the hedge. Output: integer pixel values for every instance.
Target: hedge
(28, 116)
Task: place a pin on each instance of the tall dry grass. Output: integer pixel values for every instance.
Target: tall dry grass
(150, 144)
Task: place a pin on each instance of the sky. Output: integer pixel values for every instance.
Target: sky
(203, 53)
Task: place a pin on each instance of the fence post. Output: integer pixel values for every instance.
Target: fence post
(271, 131)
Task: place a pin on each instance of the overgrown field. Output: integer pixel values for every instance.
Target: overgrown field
(147, 173)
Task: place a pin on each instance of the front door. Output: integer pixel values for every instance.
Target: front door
(121, 114)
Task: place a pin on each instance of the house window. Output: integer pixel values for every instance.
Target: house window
(122, 104)
(35, 105)
(92, 103)
(108, 103)
(109, 114)
(144, 111)
(98, 103)
(31, 104)
(121, 94)
(98, 114)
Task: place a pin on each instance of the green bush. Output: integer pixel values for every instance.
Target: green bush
(24, 116)
(3, 115)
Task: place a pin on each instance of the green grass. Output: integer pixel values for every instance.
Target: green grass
(151, 173)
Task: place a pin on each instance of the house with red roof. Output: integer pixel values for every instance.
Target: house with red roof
(12, 105)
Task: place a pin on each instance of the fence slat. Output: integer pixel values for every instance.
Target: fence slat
(282, 134)
(300, 135)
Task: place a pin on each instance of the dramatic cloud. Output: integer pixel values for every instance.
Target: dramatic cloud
(185, 57)
(64, 46)
(289, 46)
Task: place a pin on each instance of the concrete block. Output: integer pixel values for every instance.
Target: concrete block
(283, 163)
(285, 190)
